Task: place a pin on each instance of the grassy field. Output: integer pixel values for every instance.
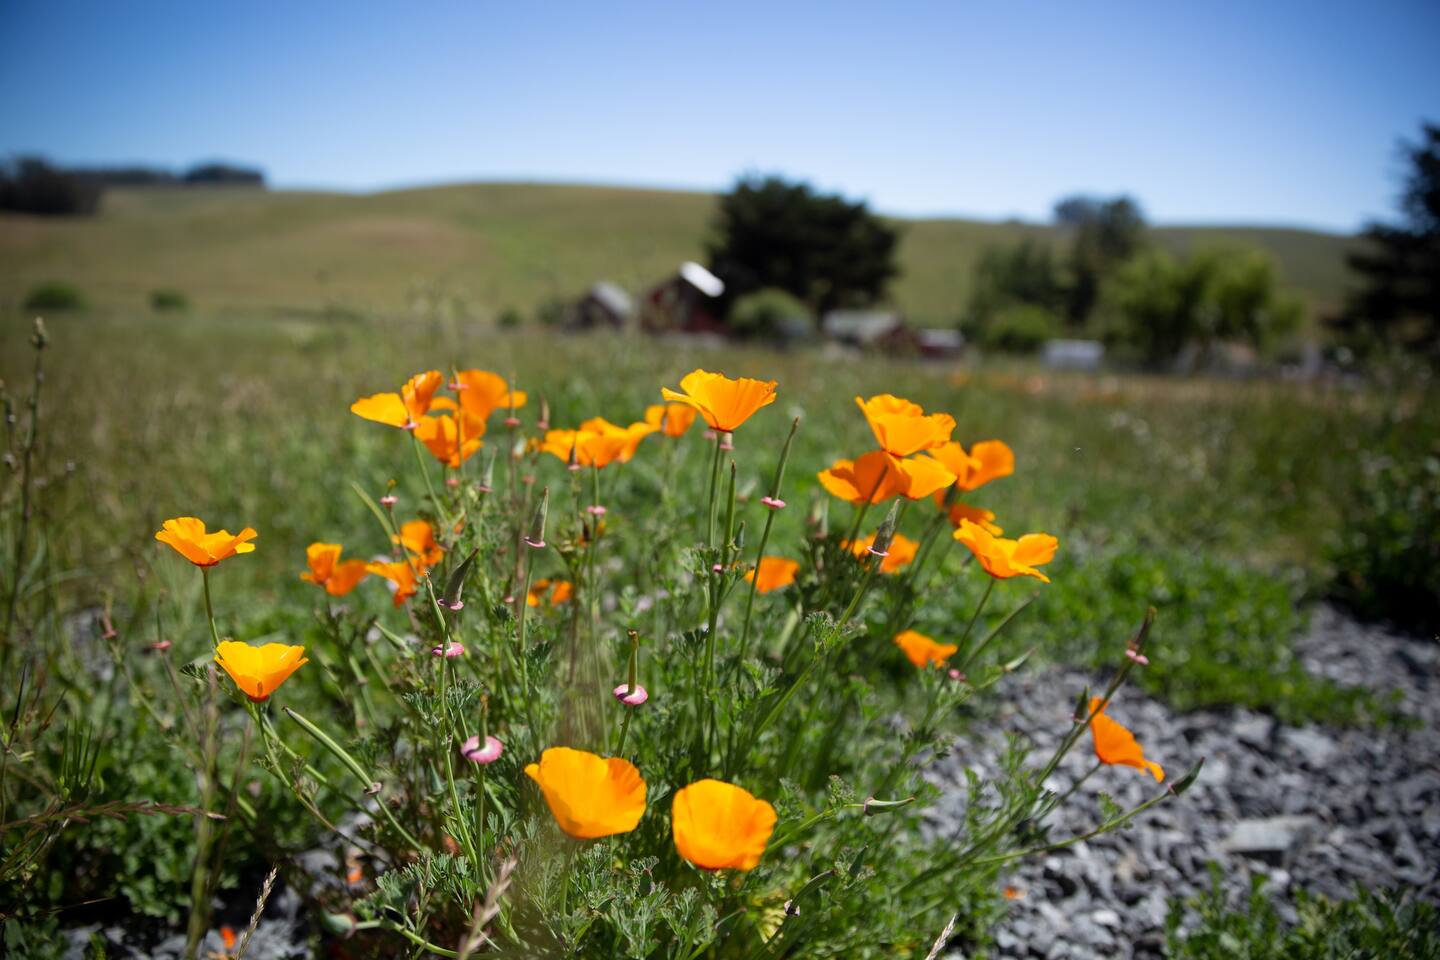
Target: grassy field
(479, 248)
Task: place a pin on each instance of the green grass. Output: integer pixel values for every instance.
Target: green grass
(479, 248)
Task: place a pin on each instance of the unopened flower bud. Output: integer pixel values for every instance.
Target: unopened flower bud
(536, 539)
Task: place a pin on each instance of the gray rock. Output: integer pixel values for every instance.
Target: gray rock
(1273, 839)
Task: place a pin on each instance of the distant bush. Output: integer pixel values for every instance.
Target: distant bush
(32, 185)
(54, 296)
(1374, 924)
(166, 300)
(763, 312)
(1018, 328)
(510, 318)
(552, 312)
(1387, 559)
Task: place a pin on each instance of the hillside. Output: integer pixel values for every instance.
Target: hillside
(481, 247)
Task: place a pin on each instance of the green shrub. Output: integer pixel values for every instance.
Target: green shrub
(761, 313)
(1372, 925)
(1387, 556)
(55, 295)
(510, 319)
(1020, 328)
(166, 299)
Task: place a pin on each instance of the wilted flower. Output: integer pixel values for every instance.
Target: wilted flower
(187, 536)
(589, 796)
(631, 696)
(773, 573)
(259, 671)
(902, 427)
(719, 826)
(672, 419)
(418, 537)
(922, 650)
(485, 755)
(724, 403)
(879, 476)
(328, 571)
(1004, 558)
(987, 460)
(403, 409)
(900, 553)
(402, 575)
(1116, 745)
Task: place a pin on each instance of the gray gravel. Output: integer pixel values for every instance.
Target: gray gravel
(1307, 806)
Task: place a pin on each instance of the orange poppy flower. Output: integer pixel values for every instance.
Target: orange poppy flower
(724, 403)
(976, 515)
(922, 650)
(418, 537)
(481, 393)
(559, 590)
(451, 440)
(589, 796)
(629, 437)
(402, 574)
(987, 460)
(901, 553)
(673, 419)
(774, 573)
(902, 427)
(1116, 745)
(590, 448)
(719, 826)
(326, 569)
(879, 476)
(187, 536)
(259, 671)
(403, 408)
(1003, 558)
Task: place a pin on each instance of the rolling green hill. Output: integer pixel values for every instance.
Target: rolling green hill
(478, 248)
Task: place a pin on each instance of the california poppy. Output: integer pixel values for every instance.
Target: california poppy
(187, 536)
(901, 552)
(402, 575)
(773, 573)
(481, 393)
(594, 447)
(976, 515)
(879, 476)
(724, 403)
(451, 439)
(987, 460)
(1116, 745)
(259, 671)
(902, 427)
(922, 650)
(403, 409)
(589, 796)
(1004, 558)
(629, 437)
(418, 536)
(559, 590)
(329, 571)
(673, 419)
(719, 826)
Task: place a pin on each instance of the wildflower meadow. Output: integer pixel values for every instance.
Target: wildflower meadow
(604, 657)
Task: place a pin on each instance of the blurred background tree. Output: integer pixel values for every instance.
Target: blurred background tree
(1105, 233)
(821, 248)
(1398, 309)
(32, 185)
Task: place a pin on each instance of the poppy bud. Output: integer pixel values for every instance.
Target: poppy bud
(886, 533)
(536, 539)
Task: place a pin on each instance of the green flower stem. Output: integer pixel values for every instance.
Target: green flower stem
(440, 510)
(354, 765)
(209, 608)
(714, 488)
(764, 540)
(523, 600)
(445, 737)
(405, 932)
(800, 828)
(980, 648)
(985, 598)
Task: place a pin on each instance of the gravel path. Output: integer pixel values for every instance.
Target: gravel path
(1301, 806)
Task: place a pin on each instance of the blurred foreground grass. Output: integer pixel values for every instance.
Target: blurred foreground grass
(1212, 500)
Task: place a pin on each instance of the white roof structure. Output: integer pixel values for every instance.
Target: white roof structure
(617, 301)
(701, 279)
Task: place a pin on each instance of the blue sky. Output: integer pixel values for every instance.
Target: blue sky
(1272, 112)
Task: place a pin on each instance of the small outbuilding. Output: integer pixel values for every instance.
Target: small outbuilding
(605, 305)
(869, 330)
(684, 303)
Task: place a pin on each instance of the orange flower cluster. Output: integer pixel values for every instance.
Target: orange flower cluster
(598, 443)
(454, 435)
(902, 429)
(715, 825)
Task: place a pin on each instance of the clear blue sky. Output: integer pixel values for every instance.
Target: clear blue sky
(1206, 112)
